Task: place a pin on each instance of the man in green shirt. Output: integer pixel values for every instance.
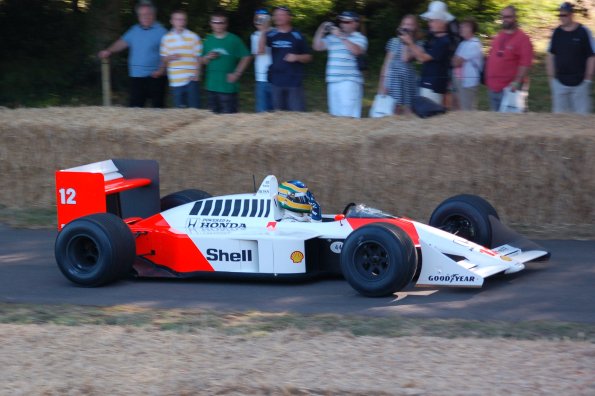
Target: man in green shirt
(226, 58)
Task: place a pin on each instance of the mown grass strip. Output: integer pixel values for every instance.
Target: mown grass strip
(260, 323)
(30, 218)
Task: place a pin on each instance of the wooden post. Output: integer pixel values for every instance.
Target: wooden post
(105, 82)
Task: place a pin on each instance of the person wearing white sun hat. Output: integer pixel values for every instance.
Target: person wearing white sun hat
(435, 54)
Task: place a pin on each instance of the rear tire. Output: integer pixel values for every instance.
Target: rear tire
(466, 216)
(95, 250)
(182, 197)
(378, 259)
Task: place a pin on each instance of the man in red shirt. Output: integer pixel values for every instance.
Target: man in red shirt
(509, 60)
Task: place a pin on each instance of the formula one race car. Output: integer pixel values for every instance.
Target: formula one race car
(113, 223)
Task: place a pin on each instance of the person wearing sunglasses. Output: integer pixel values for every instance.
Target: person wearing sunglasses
(226, 57)
(509, 59)
(570, 64)
(343, 76)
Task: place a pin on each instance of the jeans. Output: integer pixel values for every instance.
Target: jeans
(567, 99)
(222, 103)
(187, 95)
(264, 101)
(495, 99)
(143, 88)
(288, 98)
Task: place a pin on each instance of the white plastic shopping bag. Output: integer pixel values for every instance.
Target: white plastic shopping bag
(382, 106)
(513, 102)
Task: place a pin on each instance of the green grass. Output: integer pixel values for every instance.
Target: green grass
(28, 217)
(260, 323)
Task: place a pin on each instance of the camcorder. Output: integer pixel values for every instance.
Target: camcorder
(403, 31)
(328, 28)
(261, 19)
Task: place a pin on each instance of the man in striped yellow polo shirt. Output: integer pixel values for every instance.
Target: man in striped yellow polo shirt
(180, 51)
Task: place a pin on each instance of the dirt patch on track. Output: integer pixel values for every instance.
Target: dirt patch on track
(535, 168)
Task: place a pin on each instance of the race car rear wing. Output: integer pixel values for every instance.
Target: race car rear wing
(124, 187)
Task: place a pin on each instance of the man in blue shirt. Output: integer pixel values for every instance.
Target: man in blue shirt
(147, 73)
(289, 51)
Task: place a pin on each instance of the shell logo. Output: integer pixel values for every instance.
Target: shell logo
(505, 258)
(297, 256)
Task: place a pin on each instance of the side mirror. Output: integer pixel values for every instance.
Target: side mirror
(339, 217)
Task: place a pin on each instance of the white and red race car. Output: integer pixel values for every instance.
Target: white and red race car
(113, 223)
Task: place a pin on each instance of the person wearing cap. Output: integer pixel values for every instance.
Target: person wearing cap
(509, 59)
(262, 87)
(343, 77)
(289, 51)
(570, 64)
(435, 53)
(146, 71)
(181, 50)
(226, 58)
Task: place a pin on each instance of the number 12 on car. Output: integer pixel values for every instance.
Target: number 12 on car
(67, 196)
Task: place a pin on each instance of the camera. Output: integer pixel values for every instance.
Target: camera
(328, 28)
(261, 19)
(403, 31)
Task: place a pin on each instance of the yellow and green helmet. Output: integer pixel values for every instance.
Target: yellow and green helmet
(293, 196)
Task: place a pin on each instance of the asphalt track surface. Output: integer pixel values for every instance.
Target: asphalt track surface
(561, 289)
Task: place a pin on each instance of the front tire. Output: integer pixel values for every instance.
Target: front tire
(378, 259)
(467, 216)
(95, 250)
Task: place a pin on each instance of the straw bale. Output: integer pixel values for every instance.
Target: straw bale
(535, 168)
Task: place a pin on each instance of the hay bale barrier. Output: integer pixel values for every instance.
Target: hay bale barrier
(536, 169)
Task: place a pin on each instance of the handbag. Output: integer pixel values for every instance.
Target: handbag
(513, 102)
(481, 72)
(383, 106)
(424, 107)
(362, 62)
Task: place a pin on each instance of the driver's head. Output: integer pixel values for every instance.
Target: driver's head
(293, 196)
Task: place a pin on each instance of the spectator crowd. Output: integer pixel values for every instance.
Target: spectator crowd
(450, 60)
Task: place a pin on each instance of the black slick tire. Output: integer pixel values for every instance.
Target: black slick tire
(378, 259)
(182, 197)
(95, 250)
(467, 216)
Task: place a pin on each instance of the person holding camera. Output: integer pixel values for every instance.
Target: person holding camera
(435, 53)
(343, 75)
(262, 87)
(289, 51)
(398, 77)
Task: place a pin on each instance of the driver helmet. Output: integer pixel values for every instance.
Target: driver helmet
(293, 196)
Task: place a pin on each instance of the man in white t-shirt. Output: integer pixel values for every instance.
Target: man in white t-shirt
(468, 63)
(343, 77)
(180, 51)
(262, 87)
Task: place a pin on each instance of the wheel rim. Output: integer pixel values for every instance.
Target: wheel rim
(371, 260)
(83, 254)
(459, 225)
